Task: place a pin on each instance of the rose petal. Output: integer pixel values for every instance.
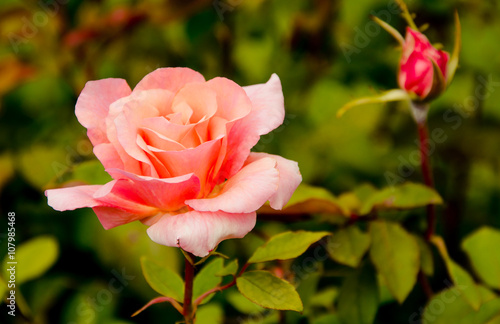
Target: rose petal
(199, 98)
(200, 232)
(232, 101)
(172, 79)
(417, 75)
(93, 104)
(289, 178)
(246, 191)
(165, 194)
(72, 198)
(267, 114)
(106, 153)
(199, 160)
(117, 197)
(268, 104)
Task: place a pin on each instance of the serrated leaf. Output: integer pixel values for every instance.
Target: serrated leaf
(406, 196)
(207, 279)
(286, 245)
(394, 252)
(478, 247)
(308, 199)
(348, 245)
(33, 257)
(448, 306)
(426, 259)
(163, 280)
(229, 270)
(359, 297)
(463, 281)
(268, 291)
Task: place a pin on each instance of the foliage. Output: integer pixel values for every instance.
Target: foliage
(348, 248)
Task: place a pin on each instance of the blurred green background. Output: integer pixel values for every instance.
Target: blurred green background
(325, 52)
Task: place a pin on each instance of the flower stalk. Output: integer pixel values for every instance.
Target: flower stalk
(189, 315)
(425, 164)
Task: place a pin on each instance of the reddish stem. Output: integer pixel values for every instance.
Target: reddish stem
(423, 135)
(188, 313)
(199, 300)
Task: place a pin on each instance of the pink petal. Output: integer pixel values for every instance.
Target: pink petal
(117, 198)
(200, 232)
(268, 110)
(72, 198)
(199, 98)
(167, 194)
(126, 132)
(106, 153)
(416, 74)
(93, 105)
(232, 101)
(246, 191)
(199, 160)
(267, 114)
(289, 178)
(172, 79)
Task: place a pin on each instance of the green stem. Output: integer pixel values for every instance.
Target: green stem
(189, 315)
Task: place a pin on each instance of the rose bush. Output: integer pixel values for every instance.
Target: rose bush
(178, 150)
(416, 72)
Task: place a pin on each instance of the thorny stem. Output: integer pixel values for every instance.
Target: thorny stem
(189, 315)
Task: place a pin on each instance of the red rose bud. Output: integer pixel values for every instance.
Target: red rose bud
(420, 63)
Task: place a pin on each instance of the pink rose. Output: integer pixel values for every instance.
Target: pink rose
(416, 72)
(178, 149)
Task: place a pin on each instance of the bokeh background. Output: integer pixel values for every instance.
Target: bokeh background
(325, 52)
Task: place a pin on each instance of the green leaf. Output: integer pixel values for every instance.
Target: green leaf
(327, 319)
(268, 291)
(394, 252)
(449, 306)
(286, 245)
(426, 258)
(163, 280)
(229, 270)
(242, 304)
(478, 247)
(348, 245)
(207, 278)
(407, 196)
(463, 281)
(325, 298)
(210, 314)
(33, 257)
(390, 95)
(308, 199)
(359, 297)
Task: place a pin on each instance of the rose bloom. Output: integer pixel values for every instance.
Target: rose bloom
(178, 150)
(416, 73)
